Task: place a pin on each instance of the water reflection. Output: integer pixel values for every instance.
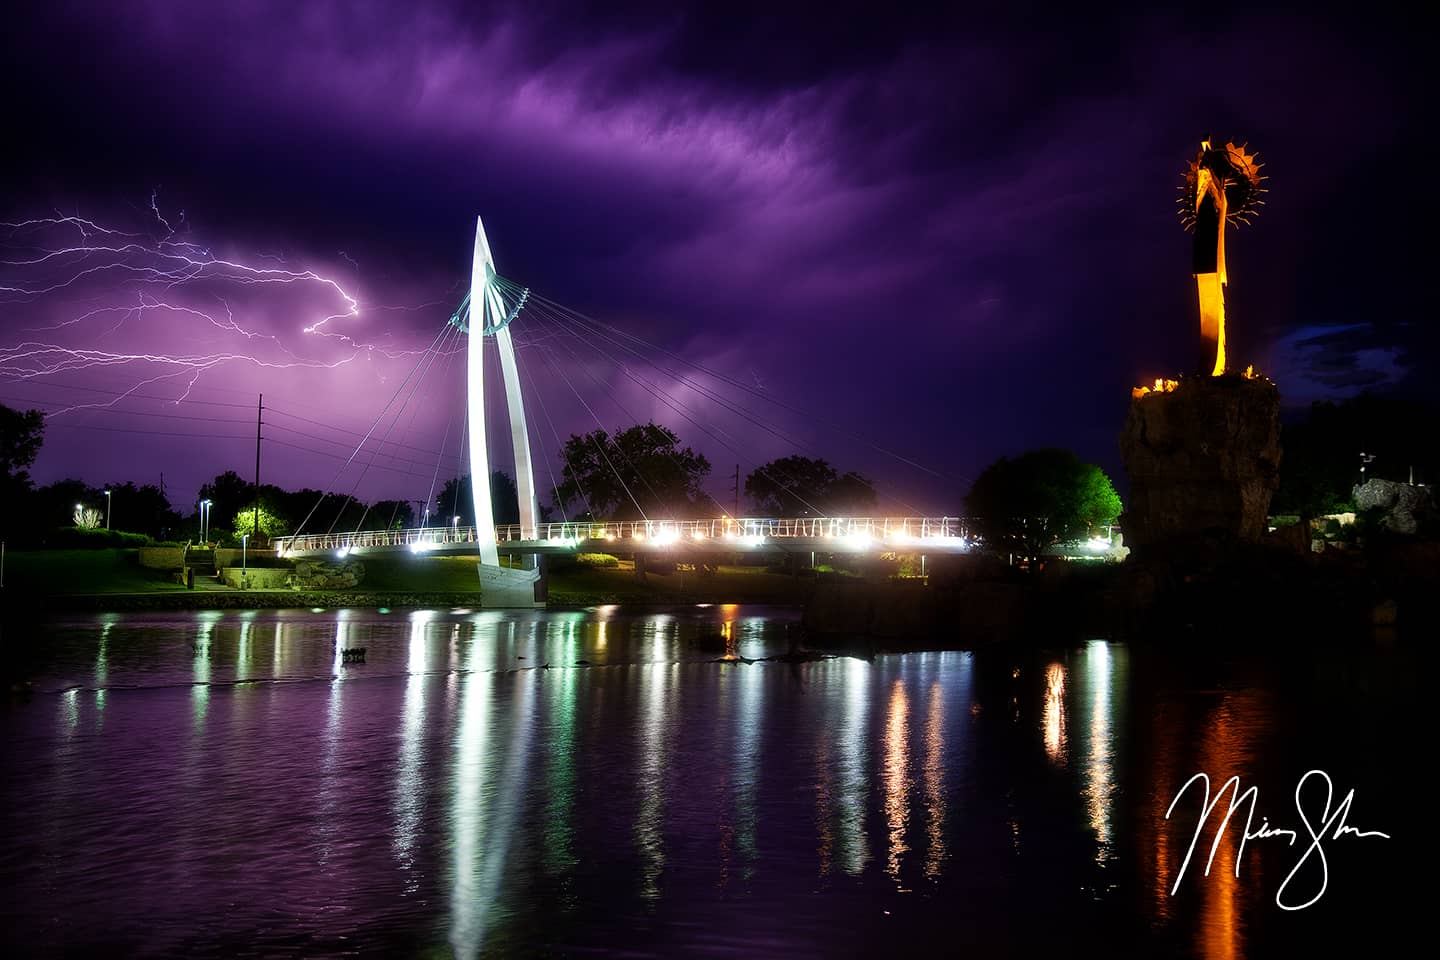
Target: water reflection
(738, 829)
(896, 776)
(560, 775)
(1053, 715)
(491, 770)
(1227, 749)
(1100, 701)
(655, 679)
(580, 808)
(468, 903)
(935, 781)
(200, 683)
(409, 781)
(842, 793)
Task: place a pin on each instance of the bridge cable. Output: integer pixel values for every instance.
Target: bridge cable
(740, 385)
(368, 433)
(675, 404)
(449, 422)
(629, 416)
(545, 354)
(521, 371)
(729, 404)
(433, 355)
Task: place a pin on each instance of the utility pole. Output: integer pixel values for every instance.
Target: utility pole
(259, 413)
(736, 509)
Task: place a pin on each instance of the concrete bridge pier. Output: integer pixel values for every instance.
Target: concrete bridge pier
(508, 587)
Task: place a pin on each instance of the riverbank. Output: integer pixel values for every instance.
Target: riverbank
(58, 581)
(1244, 594)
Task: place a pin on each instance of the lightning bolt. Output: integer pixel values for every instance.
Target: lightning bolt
(91, 279)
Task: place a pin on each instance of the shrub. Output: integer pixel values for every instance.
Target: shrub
(71, 538)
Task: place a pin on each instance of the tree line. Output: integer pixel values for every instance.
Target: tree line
(639, 471)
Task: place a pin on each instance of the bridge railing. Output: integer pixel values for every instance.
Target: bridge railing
(747, 531)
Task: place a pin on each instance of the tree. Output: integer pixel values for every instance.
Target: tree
(1321, 462)
(641, 469)
(1039, 498)
(21, 434)
(88, 518)
(797, 486)
(228, 493)
(390, 515)
(141, 509)
(270, 526)
(54, 505)
(455, 500)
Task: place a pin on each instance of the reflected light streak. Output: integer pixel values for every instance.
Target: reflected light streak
(409, 784)
(935, 781)
(468, 909)
(1053, 716)
(1228, 749)
(897, 776)
(486, 813)
(745, 748)
(854, 794)
(649, 824)
(200, 684)
(823, 787)
(242, 657)
(560, 769)
(102, 660)
(1099, 792)
(329, 794)
(102, 670)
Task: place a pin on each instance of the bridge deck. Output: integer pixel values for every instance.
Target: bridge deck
(719, 535)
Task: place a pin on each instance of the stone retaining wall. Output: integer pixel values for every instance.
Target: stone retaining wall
(162, 558)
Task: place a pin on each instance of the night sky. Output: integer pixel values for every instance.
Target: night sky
(953, 238)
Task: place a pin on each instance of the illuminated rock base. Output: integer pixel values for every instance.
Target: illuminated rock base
(1203, 459)
(507, 587)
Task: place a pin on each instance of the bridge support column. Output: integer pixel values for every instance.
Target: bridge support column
(508, 587)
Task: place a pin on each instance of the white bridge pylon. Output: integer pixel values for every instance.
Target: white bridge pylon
(490, 316)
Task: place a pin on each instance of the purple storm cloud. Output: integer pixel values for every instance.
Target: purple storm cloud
(952, 238)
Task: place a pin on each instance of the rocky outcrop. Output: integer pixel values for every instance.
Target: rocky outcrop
(327, 575)
(1404, 506)
(1203, 459)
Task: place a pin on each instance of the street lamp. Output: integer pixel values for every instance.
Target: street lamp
(455, 524)
(204, 512)
(107, 509)
(244, 540)
(1365, 459)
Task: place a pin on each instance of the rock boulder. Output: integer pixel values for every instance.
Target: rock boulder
(1404, 505)
(327, 575)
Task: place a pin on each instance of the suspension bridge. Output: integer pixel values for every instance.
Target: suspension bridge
(487, 314)
(721, 535)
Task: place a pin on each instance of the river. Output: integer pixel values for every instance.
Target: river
(610, 782)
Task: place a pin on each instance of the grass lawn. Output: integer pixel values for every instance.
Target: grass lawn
(58, 572)
(62, 572)
(422, 574)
